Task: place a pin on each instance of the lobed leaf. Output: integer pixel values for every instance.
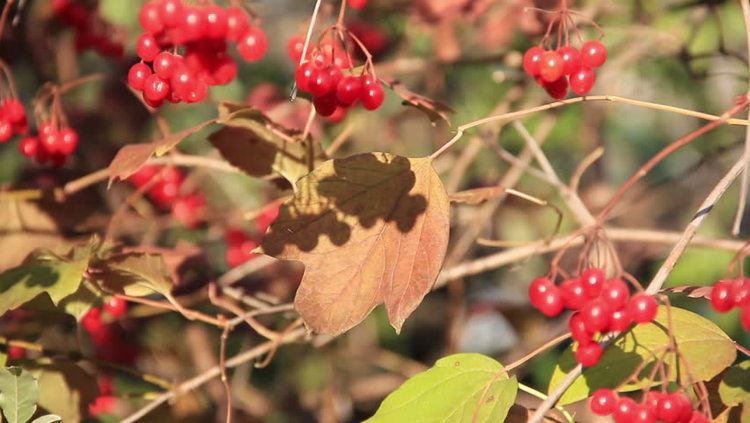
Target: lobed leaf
(370, 228)
(134, 274)
(704, 347)
(461, 388)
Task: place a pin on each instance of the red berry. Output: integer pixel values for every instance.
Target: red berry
(14, 112)
(16, 352)
(237, 23)
(325, 105)
(137, 75)
(50, 142)
(625, 410)
(6, 130)
(372, 96)
(651, 401)
(189, 210)
(532, 60)
(304, 74)
(721, 296)
(582, 81)
(593, 54)
(669, 409)
(216, 21)
(357, 4)
(593, 281)
(745, 317)
(155, 89)
(198, 93)
(643, 308)
(182, 82)
(225, 70)
(596, 315)
(194, 24)
(349, 89)
(578, 329)
(616, 293)
(150, 19)
(556, 89)
(29, 146)
(571, 59)
(165, 63)
(116, 307)
(294, 48)
(146, 47)
(551, 66)
(741, 292)
(603, 402)
(642, 415)
(92, 320)
(253, 44)
(546, 297)
(171, 12)
(620, 320)
(321, 83)
(589, 354)
(574, 294)
(68, 141)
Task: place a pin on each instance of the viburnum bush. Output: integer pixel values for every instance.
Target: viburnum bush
(204, 204)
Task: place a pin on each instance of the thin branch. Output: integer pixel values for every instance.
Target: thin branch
(310, 29)
(746, 153)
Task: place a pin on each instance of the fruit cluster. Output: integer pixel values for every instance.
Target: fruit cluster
(674, 407)
(103, 332)
(12, 119)
(566, 67)
(734, 293)
(91, 31)
(321, 74)
(165, 190)
(54, 144)
(202, 32)
(600, 306)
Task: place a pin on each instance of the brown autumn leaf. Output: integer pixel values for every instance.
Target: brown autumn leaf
(370, 229)
(435, 110)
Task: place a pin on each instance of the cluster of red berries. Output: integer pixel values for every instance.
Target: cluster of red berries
(322, 75)
(12, 119)
(203, 31)
(91, 31)
(728, 294)
(601, 306)
(656, 406)
(166, 193)
(556, 70)
(53, 143)
(104, 335)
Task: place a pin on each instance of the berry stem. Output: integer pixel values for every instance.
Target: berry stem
(306, 45)
(746, 153)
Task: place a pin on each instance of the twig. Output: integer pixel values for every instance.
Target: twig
(583, 167)
(533, 392)
(746, 153)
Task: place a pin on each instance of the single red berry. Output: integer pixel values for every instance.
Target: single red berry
(198, 93)
(189, 210)
(578, 330)
(642, 415)
(532, 60)
(50, 142)
(137, 75)
(29, 146)
(620, 320)
(68, 141)
(593, 54)
(616, 293)
(669, 408)
(237, 23)
(116, 307)
(325, 105)
(103, 404)
(372, 98)
(582, 81)
(741, 292)
(150, 19)
(625, 410)
(225, 70)
(651, 401)
(14, 112)
(593, 281)
(194, 24)
(304, 74)
(571, 59)
(253, 44)
(165, 63)
(643, 308)
(603, 402)
(183, 82)
(551, 66)
(321, 84)
(294, 48)
(349, 89)
(556, 89)
(357, 4)
(155, 89)
(171, 12)
(596, 315)
(216, 21)
(16, 352)
(146, 47)
(92, 320)
(721, 296)
(589, 354)
(338, 115)
(745, 317)
(6, 130)
(574, 294)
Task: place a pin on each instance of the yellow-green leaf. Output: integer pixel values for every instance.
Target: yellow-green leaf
(134, 274)
(461, 388)
(370, 229)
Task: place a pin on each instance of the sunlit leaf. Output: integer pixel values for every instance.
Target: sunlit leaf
(134, 274)
(461, 388)
(705, 348)
(65, 388)
(370, 228)
(49, 418)
(19, 393)
(734, 388)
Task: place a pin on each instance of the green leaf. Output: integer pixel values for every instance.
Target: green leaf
(49, 418)
(65, 388)
(44, 271)
(459, 388)
(134, 274)
(734, 388)
(703, 345)
(253, 143)
(19, 393)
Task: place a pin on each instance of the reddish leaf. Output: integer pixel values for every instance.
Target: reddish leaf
(370, 228)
